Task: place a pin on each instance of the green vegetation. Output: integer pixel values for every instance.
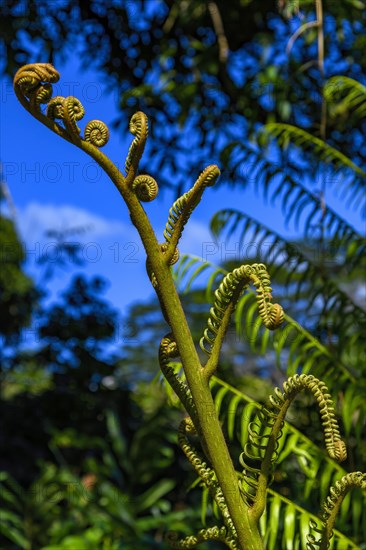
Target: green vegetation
(112, 473)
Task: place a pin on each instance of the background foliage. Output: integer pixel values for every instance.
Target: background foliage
(217, 76)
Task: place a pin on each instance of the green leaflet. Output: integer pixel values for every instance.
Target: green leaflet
(347, 94)
(280, 184)
(285, 134)
(302, 276)
(274, 514)
(274, 525)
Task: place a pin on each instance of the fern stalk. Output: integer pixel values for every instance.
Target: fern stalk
(33, 87)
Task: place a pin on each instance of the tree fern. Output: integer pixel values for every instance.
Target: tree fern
(350, 178)
(283, 184)
(295, 348)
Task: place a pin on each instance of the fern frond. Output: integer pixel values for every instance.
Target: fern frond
(303, 275)
(139, 128)
(212, 533)
(183, 207)
(167, 350)
(302, 348)
(347, 94)
(285, 134)
(237, 410)
(298, 204)
(226, 298)
(331, 507)
(193, 266)
(261, 451)
(205, 473)
(353, 185)
(292, 532)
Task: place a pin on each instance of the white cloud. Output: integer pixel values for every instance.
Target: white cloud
(36, 219)
(195, 237)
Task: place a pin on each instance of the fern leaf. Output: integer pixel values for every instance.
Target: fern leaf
(348, 95)
(286, 133)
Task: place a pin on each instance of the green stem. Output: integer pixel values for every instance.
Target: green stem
(27, 85)
(209, 427)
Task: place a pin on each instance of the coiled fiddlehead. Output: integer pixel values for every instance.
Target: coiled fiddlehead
(259, 434)
(335, 446)
(167, 350)
(139, 128)
(73, 111)
(229, 292)
(97, 133)
(227, 296)
(33, 87)
(55, 108)
(145, 187)
(29, 78)
(266, 429)
(331, 508)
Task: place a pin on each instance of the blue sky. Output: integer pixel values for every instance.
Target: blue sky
(55, 186)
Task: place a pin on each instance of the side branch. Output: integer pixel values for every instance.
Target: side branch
(227, 296)
(331, 507)
(169, 349)
(266, 429)
(183, 207)
(205, 473)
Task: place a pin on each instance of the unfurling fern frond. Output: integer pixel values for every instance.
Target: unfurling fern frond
(212, 533)
(183, 207)
(33, 87)
(260, 452)
(303, 275)
(97, 133)
(140, 129)
(145, 187)
(168, 349)
(29, 78)
(208, 477)
(287, 522)
(227, 296)
(330, 509)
